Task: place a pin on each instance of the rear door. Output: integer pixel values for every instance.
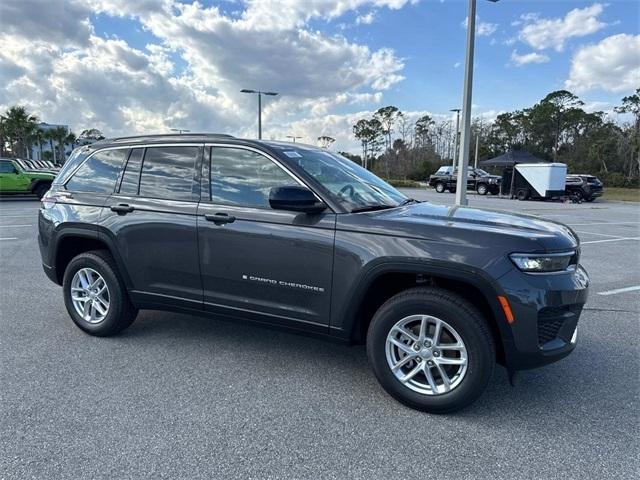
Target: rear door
(151, 218)
(256, 261)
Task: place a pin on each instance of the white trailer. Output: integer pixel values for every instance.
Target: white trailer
(539, 180)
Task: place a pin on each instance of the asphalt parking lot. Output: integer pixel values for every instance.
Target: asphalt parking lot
(185, 397)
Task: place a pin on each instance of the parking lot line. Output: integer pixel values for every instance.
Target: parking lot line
(602, 223)
(9, 238)
(599, 234)
(620, 290)
(14, 226)
(610, 240)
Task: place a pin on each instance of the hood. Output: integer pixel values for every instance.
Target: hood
(450, 223)
(41, 173)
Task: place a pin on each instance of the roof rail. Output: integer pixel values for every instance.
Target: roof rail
(168, 135)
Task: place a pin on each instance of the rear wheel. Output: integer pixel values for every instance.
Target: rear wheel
(431, 350)
(440, 187)
(95, 295)
(522, 194)
(41, 189)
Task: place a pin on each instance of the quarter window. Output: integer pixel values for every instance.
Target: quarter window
(99, 173)
(243, 177)
(167, 172)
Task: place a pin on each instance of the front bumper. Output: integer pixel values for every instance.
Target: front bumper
(546, 308)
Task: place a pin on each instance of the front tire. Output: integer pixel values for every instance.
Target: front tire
(431, 350)
(482, 189)
(440, 187)
(95, 295)
(41, 189)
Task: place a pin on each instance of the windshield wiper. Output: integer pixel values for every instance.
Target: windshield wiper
(372, 208)
(408, 201)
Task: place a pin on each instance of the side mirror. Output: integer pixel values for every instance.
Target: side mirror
(295, 199)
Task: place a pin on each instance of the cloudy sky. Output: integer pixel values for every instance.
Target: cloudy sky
(145, 66)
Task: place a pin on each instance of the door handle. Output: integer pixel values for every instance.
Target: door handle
(220, 218)
(122, 208)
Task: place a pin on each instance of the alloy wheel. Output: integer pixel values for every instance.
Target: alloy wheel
(426, 354)
(90, 295)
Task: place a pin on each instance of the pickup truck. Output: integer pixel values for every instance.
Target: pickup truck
(482, 182)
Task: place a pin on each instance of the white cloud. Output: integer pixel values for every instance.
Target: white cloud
(613, 64)
(526, 58)
(366, 19)
(192, 76)
(483, 29)
(542, 33)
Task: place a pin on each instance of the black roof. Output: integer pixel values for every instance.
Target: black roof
(511, 158)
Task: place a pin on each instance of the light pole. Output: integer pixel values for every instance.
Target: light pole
(457, 143)
(293, 137)
(260, 93)
(180, 130)
(463, 160)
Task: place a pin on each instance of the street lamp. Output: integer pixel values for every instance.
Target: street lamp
(457, 143)
(180, 130)
(293, 137)
(273, 94)
(463, 160)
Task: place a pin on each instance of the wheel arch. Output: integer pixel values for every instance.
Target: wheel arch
(74, 241)
(383, 281)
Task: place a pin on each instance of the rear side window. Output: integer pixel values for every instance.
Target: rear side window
(129, 184)
(99, 173)
(167, 172)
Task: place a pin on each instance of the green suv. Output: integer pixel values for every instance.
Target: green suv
(15, 179)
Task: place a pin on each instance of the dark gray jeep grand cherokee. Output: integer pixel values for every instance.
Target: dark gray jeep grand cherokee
(302, 238)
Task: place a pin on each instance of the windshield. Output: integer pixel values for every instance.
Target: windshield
(482, 173)
(355, 187)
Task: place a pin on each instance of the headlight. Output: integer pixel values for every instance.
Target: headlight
(543, 263)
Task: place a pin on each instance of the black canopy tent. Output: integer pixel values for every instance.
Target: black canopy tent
(507, 162)
(511, 158)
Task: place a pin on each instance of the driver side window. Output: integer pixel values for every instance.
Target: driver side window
(7, 167)
(244, 177)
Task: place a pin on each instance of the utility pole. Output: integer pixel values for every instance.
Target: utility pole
(475, 163)
(463, 160)
(260, 93)
(457, 142)
(293, 137)
(180, 130)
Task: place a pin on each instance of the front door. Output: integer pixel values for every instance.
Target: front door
(11, 179)
(257, 262)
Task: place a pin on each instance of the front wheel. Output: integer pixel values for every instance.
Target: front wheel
(440, 187)
(431, 350)
(95, 295)
(41, 189)
(482, 189)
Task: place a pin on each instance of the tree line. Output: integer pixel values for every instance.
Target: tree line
(557, 128)
(20, 131)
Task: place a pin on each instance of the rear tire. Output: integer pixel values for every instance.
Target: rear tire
(120, 313)
(522, 194)
(440, 187)
(41, 189)
(427, 390)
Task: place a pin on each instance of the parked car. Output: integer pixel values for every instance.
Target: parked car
(482, 182)
(298, 237)
(584, 187)
(15, 179)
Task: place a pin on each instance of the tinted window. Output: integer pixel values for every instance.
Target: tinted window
(99, 173)
(167, 172)
(243, 177)
(129, 184)
(7, 167)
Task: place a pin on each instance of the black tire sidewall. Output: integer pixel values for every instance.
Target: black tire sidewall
(481, 356)
(117, 295)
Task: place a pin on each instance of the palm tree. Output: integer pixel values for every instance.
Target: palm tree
(71, 139)
(59, 134)
(18, 129)
(39, 135)
(49, 136)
